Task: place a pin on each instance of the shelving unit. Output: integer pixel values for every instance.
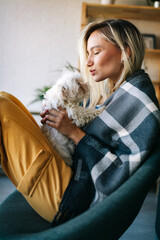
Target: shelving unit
(147, 19)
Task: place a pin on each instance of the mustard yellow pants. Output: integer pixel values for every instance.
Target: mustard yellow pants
(29, 160)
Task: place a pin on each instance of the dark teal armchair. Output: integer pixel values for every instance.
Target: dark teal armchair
(108, 220)
(158, 215)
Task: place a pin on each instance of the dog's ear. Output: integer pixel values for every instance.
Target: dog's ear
(84, 87)
(64, 93)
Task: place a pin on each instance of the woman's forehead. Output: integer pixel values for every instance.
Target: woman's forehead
(95, 39)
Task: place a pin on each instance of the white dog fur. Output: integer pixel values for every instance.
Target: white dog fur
(69, 90)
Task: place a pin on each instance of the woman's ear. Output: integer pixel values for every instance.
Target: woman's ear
(128, 51)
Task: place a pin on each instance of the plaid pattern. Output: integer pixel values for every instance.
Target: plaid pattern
(118, 141)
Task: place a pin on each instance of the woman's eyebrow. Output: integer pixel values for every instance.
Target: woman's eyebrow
(96, 46)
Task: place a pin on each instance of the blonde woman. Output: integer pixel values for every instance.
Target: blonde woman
(108, 150)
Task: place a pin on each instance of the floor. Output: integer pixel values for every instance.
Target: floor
(141, 229)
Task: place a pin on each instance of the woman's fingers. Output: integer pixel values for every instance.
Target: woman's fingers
(58, 113)
(60, 121)
(52, 117)
(43, 113)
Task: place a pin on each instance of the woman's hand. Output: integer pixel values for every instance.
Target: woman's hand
(60, 121)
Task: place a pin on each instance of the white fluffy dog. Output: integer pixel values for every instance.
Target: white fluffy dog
(69, 90)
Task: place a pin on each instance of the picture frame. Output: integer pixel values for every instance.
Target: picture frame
(149, 40)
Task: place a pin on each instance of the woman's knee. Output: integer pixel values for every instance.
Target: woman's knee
(4, 102)
(6, 95)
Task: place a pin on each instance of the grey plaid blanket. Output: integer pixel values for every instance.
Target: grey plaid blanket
(118, 141)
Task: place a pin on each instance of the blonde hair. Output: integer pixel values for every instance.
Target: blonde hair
(122, 34)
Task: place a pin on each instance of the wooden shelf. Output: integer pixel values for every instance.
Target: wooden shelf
(120, 11)
(156, 83)
(153, 52)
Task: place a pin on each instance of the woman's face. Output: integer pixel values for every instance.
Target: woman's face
(104, 58)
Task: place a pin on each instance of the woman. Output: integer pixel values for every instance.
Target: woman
(108, 150)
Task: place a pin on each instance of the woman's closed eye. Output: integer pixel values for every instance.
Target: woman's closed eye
(95, 53)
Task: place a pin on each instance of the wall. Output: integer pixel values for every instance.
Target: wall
(37, 38)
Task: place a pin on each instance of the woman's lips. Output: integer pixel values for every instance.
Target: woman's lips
(92, 71)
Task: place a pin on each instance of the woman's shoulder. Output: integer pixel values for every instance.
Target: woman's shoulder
(141, 82)
(138, 77)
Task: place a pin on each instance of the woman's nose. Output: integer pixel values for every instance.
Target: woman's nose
(89, 62)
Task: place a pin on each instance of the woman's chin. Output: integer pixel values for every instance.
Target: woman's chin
(95, 79)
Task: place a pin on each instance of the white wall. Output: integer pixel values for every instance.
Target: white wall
(37, 37)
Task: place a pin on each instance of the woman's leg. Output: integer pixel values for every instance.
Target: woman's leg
(29, 160)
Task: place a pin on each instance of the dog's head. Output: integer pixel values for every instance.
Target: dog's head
(73, 88)
(69, 89)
